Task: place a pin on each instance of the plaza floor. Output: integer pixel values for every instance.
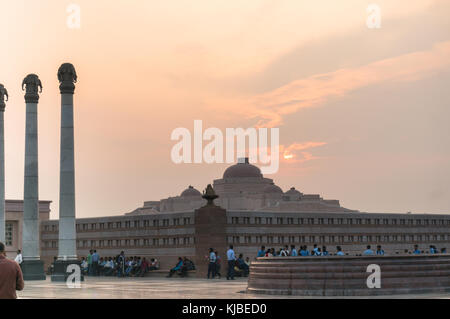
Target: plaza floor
(156, 288)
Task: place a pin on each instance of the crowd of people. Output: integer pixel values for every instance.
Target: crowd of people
(322, 251)
(120, 266)
(182, 267)
(236, 266)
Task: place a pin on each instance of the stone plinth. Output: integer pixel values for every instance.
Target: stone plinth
(33, 270)
(210, 232)
(60, 273)
(347, 276)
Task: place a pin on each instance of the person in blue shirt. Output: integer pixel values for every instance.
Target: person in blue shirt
(293, 251)
(339, 251)
(262, 252)
(380, 251)
(212, 264)
(368, 251)
(433, 250)
(304, 251)
(176, 268)
(324, 251)
(416, 250)
(231, 257)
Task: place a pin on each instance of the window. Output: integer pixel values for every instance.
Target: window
(279, 220)
(235, 220)
(320, 221)
(257, 220)
(311, 221)
(118, 225)
(290, 221)
(155, 242)
(136, 224)
(349, 221)
(258, 239)
(280, 239)
(155, 223)
(270, 239)
(340, 221)
(368, 221)
(9, 234)
(165, 222)
(247, 220)
(247, 239)
(127, 224)
(358, 221)
(386, 221)
(236, 240)
(268, 220)
(176, 222)
(165, 241)
(330, 221)
(300, 221)
(187, 220)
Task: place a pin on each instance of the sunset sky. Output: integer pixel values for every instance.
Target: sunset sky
(363, 113)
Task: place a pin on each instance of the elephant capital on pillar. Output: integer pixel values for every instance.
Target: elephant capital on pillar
(3, 93)
(67, 76)
(32, 86)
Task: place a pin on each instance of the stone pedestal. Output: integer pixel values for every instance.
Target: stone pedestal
(60, 273)
(2, 174)
(210, 232)
(33, 270)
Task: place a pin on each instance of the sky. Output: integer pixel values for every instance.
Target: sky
(362, 112)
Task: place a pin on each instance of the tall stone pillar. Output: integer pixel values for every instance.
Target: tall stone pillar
(3, 93)
(32, 266)
(210, 232)
(67, 251)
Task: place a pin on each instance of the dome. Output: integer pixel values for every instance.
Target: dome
(293, 192)
(242, 170)
(190, 191)
(272, 188)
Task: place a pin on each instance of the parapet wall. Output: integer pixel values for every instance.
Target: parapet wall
(347, 275)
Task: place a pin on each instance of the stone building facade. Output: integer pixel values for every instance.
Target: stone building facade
(255, 212)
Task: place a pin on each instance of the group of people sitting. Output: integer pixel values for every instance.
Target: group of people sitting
(318, 251)
(120, 265)
(182, 267)
(303, 251)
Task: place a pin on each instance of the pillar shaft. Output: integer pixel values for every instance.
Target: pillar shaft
(67, 230)
(30, 240)
(2, 178)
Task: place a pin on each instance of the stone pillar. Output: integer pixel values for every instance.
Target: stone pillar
(67, 249)
(210, 232)
(3, 93)
(32, 266)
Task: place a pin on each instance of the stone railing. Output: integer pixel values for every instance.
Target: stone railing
(348, 275)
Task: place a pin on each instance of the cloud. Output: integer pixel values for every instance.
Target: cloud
(269, 108)
(292, 155)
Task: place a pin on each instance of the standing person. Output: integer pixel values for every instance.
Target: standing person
(11, 278)
(231, 257)
(368, 251)
(89, 261)
(121, 264)
(218, 263)
(212, 263)
(19, 257)
(339, 251)
(95, 259)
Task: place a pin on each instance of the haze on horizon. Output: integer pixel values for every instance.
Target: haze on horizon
(363, 113)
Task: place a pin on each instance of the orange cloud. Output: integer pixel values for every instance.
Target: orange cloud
(269, 108)
(289, 152)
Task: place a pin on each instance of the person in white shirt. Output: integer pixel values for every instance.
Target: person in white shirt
(231, 257)
(19, 257)
(212, 264)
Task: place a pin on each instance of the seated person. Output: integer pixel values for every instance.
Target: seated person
(108, 269)
(154, 264)
(416, 250)
(187, 265)
(368, 251)
(380, 251)
(242, 265)
(176, 268)
(143, 267)
(339, 251)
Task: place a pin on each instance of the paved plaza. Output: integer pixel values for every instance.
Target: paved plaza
(157, 288)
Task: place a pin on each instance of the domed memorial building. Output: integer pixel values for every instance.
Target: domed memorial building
(254, 211)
